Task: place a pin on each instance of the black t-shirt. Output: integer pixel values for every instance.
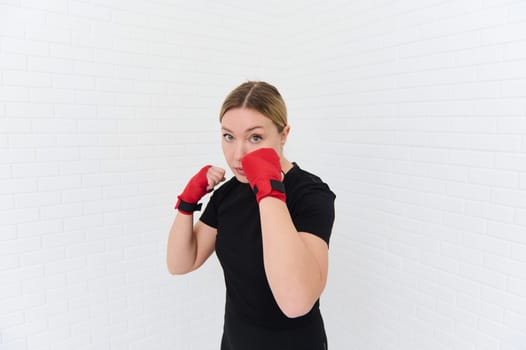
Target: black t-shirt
(233, 210)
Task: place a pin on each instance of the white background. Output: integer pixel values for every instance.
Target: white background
(414, 111)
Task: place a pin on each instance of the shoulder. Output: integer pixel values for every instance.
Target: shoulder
(218, 197)
(311, 202)
(222, 191)
(301, 182)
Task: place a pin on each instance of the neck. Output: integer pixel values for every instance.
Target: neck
(286, 165)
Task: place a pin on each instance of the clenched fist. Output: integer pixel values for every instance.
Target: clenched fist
(199, 185)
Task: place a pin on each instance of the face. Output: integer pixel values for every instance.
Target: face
(245, 130)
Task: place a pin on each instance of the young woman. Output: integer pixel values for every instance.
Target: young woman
(269, 225)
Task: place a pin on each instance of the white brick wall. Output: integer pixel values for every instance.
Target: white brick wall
(419, 110)
(99, 105)
(413, 111)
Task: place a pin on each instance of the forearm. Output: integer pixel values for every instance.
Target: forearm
(182, 245)
(182, 252)
(293, 273)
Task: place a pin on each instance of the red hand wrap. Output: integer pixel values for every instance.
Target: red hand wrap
(193, 192)
(263, 171)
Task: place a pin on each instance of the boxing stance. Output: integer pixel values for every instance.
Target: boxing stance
(269, 225)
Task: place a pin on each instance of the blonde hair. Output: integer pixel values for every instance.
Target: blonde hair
(260, 96)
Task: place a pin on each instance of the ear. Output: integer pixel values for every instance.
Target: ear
(284, 135)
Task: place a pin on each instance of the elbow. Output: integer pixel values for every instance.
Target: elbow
(174, 269)
(175, 272)
(296, 312)
(294, 307)
(296, 300)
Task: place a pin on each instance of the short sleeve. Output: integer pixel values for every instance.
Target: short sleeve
(209, 215)
(314, 213)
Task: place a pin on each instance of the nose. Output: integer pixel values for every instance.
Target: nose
(240, 150)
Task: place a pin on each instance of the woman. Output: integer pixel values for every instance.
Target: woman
(269, 225)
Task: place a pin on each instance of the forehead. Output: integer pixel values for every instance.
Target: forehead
(241, 119)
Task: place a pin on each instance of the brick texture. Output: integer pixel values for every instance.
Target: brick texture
(413, 111)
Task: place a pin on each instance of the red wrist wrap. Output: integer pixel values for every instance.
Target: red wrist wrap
(272, 188)
(185, 207)
(193, 192)
(263, 171)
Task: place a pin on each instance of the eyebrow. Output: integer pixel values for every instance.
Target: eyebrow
(246, 131)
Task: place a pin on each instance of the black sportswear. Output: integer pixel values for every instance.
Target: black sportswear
(253, 319)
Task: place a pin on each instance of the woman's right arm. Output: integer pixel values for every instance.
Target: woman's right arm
(189, 246)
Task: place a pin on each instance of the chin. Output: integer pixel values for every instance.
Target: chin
(241, 178)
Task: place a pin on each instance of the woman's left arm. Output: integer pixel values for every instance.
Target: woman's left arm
(296, 263)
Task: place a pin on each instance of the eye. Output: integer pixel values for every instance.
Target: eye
(255, 138)
(228, 137)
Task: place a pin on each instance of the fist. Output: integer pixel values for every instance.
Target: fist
(214, 176)
(263, 171)
(199, 185)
